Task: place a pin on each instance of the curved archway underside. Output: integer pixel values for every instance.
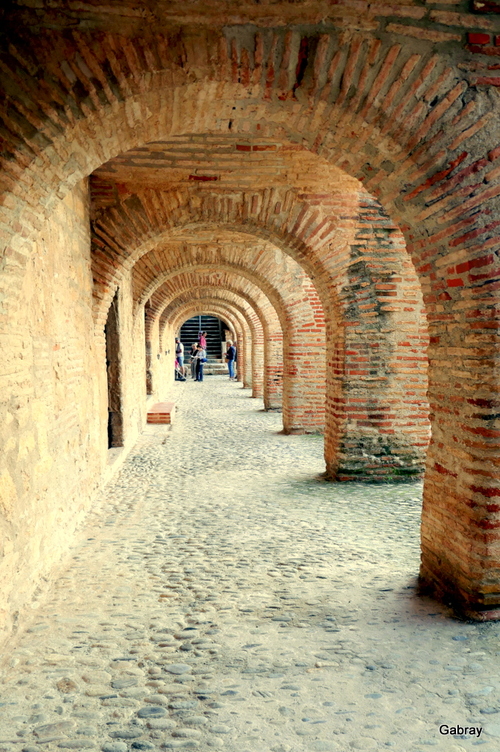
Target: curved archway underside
(338, 166)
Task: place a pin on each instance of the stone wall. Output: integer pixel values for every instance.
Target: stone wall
(54, 450)
(54, 406)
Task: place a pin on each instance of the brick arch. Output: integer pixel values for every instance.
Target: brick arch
(420, 128)
(299, 341)
(370, 416)
(392, 107)
(188, 264)
(253, 341)
(334, 457)
(267, 384)
(135, 225)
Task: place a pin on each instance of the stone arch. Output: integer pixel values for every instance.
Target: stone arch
(421, 130)
(241, 328)
(247, 328)
(237, 324)
(205, 276)
(298, 344)
(372, 426)
(203, 87)
(241, 302)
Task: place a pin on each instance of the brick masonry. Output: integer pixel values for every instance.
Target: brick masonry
(162, 412)
(359, 139)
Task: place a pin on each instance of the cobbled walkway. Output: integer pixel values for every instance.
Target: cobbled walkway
(225, 597)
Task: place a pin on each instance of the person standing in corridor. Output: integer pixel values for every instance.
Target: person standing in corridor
(200, 359)
(230, 356)
(192, 354)
(179, 354)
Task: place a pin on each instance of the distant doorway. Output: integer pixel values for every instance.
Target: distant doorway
(113, 371)
(214, 328)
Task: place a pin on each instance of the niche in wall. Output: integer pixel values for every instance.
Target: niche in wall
(113, 371)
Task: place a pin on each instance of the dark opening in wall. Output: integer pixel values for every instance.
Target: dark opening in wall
(113, 370)
(149, 371)
(214, 328)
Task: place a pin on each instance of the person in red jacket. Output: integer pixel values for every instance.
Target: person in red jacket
(202, 340)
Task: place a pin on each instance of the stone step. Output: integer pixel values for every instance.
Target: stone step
(215, 370)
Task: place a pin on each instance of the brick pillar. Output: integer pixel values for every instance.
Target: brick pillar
(246, 372)
(461, 510)
(273, 377)
(258, 366)
(304, 384)
(376, 414)
(377, 409)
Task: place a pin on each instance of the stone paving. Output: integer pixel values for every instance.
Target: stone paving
(224, 596)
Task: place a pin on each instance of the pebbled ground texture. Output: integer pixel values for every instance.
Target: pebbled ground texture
(223, 596)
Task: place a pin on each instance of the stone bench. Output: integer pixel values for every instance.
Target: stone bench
(162, 412)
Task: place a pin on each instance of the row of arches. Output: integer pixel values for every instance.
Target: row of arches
(329, 188)
(384, 322)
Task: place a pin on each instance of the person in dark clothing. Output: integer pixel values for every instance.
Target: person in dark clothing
(179, 353)
(230, 356)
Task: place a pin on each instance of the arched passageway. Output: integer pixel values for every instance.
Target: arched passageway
(291, 310)
(244, 331)
(207, 297)
(372, 343)
(363, 149)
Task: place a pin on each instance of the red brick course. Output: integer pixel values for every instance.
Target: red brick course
(162, 412)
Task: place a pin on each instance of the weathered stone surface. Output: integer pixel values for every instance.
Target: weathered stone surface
(295, 659)
(49, 729)
(310, 173)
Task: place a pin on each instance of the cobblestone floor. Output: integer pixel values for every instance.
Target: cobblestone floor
(225, 597)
